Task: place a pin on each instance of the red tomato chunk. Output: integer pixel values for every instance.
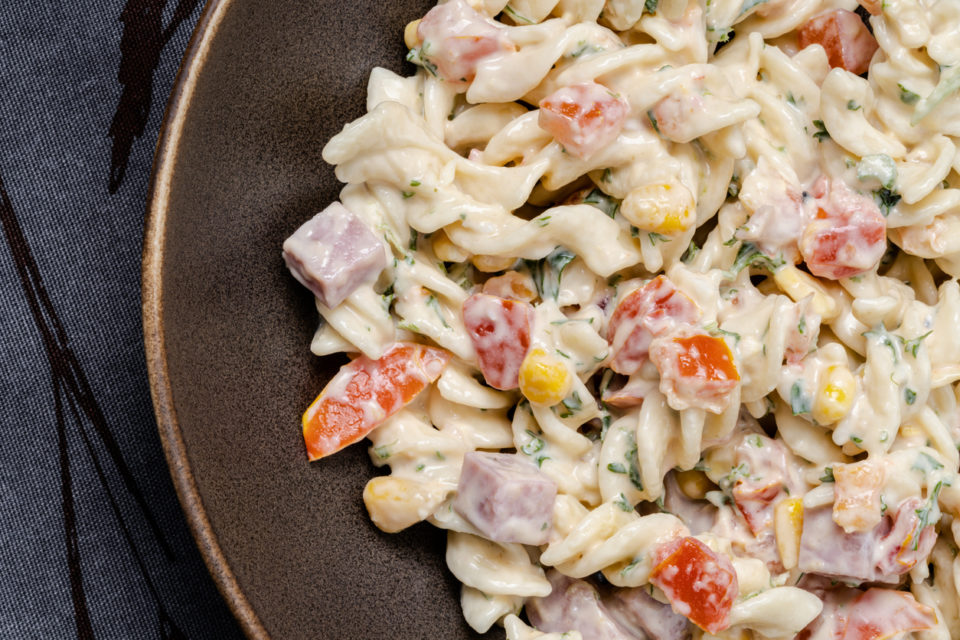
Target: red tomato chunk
(651, 310)
(455, 39)
(366, 392)
(847, 237)
(583, 118)
(847, 41)
(698, 582)
(500, 332)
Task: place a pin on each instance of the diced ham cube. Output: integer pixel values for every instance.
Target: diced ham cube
(574, 605)
(857, 505)
(637, 611)
(505, 497)
(847, 556)
(583, 118)
(848, 234)
(500, 332)
(333, 253)
(847, 41)
(695, 370)
(885, 613)
(653, 309)
(755, 501)
(699, 583)
(455, 38)
(906, 544)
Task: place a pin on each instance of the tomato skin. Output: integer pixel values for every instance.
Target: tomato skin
(847, 41)
(883, 613)
(651, 310)
(366, 392)
(583, 118)
(699, 583)
(846, 237)
(500, 332)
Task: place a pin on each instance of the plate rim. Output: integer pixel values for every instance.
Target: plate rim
(154, 238)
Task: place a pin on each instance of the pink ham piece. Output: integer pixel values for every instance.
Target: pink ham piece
(574, 605)
(653, 309)
(333, 253)
(455, 38)
(885, 613)
(847, 41)
(638, 612)
(583, 118)
(500, 332)
(505, 497)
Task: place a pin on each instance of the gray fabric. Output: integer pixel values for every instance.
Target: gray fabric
(93, 543)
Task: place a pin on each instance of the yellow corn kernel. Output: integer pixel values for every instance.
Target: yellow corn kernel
(694, 484)
(445, 250)
(492, 264)
(396, 503)
(787, 527)
(661, 208)
(835, 396)
(544, 379)
(410, 37)
(799, 284)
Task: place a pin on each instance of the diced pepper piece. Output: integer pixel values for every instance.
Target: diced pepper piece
(455, 38)
(573, 605)
(366, 392)
(848, 235)
(333, 253)
(857, 505)
(695, 370)
(583, 118)
(847, 41)
(885, 613)
(699, 583)
(505, 497)
(656, 307)
(500, 332)
(646, 617)
(544, 379)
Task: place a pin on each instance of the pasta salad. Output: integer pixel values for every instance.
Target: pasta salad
(653, 306)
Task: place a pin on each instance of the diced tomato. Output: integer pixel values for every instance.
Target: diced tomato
(847, 41)
(857, 505)
(884, 613)
(512, 285)
(695, 370)
(699, 583)
(755, 502)
(583, 118)
(500, 332)
(455, 38)
(366, 392)
(847, 237)
(654, 308)
(906, 544)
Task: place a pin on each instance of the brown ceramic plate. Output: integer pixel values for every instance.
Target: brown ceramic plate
(265, 83)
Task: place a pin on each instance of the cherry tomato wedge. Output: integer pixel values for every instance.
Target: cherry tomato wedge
(847, 41)
(698, 582)
(884, 613)
(366, 392)
(583, 118)
(500, 332)
(654, 308)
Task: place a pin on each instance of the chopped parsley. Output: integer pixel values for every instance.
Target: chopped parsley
(912, 346)
(571, 404)
(907, 96)
(909, 395)
(547, 272)
(827, 475)
(602, 201)
(692, 250)
(799, 400)
(657, 237)
(821, 131)
(621, 501)
(853, 106)
(750, 256)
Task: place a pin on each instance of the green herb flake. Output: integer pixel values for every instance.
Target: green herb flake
(692, 250)
(516, 17)
(821, 133)
(571, 404)
(407, 194)
(602, 201)
(926, 463)
(434, 304)
(414, 183)
(907, 96)
(535, 445)
(750, 255)
(827, 475)
(799, 400)
(621, 501)
(912, 346)
(653, 120)
(909, 395)
(853, 106)
(616, 467)
(547, 272)
(630, 567)
(657, 237)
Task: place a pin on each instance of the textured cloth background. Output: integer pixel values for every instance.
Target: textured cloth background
(92, 540)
